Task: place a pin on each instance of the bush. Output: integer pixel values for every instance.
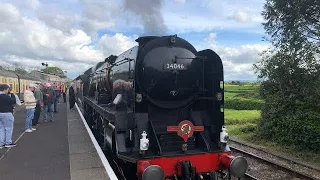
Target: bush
(243, 104)
(249, 128)
(291, 125)
(242, 131)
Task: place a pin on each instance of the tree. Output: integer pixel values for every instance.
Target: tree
(20, 71)
(18, 68)
(54, 70)
(291, 73)
(15, 68)
(293, 21)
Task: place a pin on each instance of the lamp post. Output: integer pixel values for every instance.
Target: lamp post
(46, 73)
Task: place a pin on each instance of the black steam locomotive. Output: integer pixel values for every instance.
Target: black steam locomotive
(157, 110)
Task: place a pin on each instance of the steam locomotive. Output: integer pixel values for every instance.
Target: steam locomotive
(157, 110)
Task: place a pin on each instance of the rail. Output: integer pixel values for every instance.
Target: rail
(274, 164)
(233, 140)
(249, 177)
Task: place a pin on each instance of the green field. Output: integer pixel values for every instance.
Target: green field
(242, 114)
(242, 109)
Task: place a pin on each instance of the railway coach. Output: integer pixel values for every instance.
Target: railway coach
(18, 82)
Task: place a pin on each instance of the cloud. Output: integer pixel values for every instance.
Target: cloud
(9, 13)
(241, 15)
(29, 41)
(202, 23)
(180, 1)
(34, 4)
(237, 61)
(150, 14)
(78, 34)
(98, 14)
(57, 21)
(211, 37)
(120, 44)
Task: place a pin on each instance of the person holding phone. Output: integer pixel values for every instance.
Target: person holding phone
(7, 101)
(31, 103)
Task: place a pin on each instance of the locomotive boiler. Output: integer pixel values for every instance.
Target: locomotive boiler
(157, 109)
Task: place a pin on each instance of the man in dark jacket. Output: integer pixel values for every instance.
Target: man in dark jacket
(39, 96)
(72, 97)
(7, 100)
(56, 100)
(48, 101)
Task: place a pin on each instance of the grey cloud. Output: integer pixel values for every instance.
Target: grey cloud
(91, 26)
(9, 13)
(29, 38)
(150, 14)
(98, 14)
(57, 21)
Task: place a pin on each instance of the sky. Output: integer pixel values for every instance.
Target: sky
(74, 35)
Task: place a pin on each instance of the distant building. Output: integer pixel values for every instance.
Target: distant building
(48, 77)
(236, 82)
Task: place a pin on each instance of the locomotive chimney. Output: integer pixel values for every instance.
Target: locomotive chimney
(144, 39)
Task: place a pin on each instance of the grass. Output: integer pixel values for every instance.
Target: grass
(238, 118)
(234, 117)
(248, 92)
(242, 131)
(242, 98)
(243, 123)
(300, 155)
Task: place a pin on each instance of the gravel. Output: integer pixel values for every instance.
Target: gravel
(264, 171)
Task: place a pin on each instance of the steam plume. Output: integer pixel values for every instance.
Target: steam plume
(149, 12)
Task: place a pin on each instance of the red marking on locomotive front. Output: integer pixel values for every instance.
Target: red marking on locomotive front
(185, 129)
(203, 163)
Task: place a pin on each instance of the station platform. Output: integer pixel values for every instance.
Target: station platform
(59, 150)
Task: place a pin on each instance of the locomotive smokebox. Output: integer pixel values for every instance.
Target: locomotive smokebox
(168, 71)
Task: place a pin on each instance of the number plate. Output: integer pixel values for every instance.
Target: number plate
(175, 66)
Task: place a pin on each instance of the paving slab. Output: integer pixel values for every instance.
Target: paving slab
(85, 162)
(40, 155)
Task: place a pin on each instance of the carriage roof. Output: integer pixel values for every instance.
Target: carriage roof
(5, 73)
(28, 77)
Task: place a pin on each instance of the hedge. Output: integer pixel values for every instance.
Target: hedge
(291, 125)
(243, 104)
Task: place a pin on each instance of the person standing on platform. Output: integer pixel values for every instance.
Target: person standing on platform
(48, 101)
(60, 89)
(64, 91)
(30, 102)
(7, 100)
(56, 98)
(72, 97)
(39, 97)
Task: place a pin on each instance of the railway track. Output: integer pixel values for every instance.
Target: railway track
(241, 143)
(278, 169)
(249, 177)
